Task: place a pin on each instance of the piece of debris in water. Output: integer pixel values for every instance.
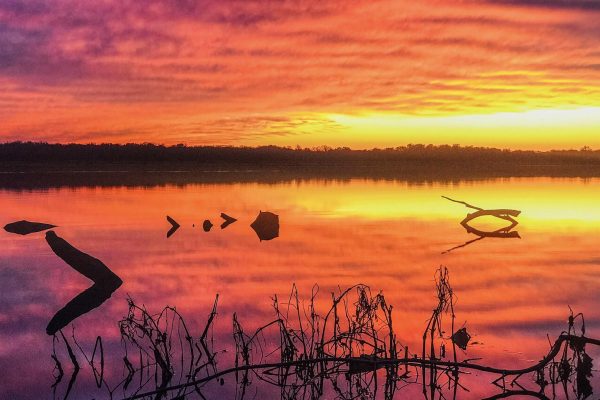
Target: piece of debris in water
(207, 225)
(174, 226)
(266, 225)
(227, 220)
(461, 338)
(26, 227)
(362, 364)
(105, 282)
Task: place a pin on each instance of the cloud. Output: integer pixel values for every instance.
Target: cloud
(27, 52)
(72, 67)
(587, 5)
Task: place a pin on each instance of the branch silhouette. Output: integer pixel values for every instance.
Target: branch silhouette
(505, 232)
(105, 282)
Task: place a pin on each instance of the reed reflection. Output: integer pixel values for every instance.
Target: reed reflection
(349, 349)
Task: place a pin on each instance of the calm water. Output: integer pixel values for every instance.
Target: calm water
(387, 234)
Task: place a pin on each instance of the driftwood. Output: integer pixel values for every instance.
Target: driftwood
(105, 282)
(174, 226)
(227, 220)
(502, 233)
(505, 232)
(24, 227)
(502, 213)
(88, 266)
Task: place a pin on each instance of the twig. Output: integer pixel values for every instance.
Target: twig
(465, 204)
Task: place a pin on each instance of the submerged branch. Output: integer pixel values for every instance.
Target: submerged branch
(502, 213)
(377, 363)
(506, 232)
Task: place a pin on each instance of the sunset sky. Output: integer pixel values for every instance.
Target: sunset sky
(502, 73)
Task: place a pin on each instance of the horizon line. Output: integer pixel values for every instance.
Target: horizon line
(298, 147)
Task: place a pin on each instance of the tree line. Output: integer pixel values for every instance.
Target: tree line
(41, 153)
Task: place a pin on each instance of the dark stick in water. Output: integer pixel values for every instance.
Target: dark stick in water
(105, 282)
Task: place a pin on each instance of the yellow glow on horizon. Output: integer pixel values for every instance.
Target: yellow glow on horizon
(585, 116)
(537, 129)
(541, 200)
(564, 128)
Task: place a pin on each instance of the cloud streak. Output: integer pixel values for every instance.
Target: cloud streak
(126, 69)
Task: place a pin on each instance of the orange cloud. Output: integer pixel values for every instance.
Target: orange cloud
(254, 72)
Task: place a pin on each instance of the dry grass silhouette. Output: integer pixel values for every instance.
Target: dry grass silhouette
(352, 349)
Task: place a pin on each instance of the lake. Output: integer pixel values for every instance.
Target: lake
(513, 294)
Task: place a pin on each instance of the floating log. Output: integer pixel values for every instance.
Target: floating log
(228, 220)
(90, 267)
(174, 226)
(506, 232)
(105, 282)
(83, 303)
(24, 227)
(502, 213)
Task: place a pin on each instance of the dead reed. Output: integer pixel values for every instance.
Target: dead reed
(351, 351)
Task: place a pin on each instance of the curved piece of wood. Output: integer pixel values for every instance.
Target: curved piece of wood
(81, 262)
(174, 226)
(227, 220)
(83, 303)
(505, 232)
(505, 214)
(105, 282)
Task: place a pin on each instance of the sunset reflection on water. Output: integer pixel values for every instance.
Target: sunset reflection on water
(387, 234)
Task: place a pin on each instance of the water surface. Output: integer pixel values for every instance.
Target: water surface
(388, 234)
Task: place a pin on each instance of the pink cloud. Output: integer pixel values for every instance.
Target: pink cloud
(157, 71)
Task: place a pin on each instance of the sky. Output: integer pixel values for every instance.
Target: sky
(358, 73)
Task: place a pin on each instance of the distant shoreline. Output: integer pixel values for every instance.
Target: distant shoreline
(140, 177)
(37, 155)
(29, 166)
